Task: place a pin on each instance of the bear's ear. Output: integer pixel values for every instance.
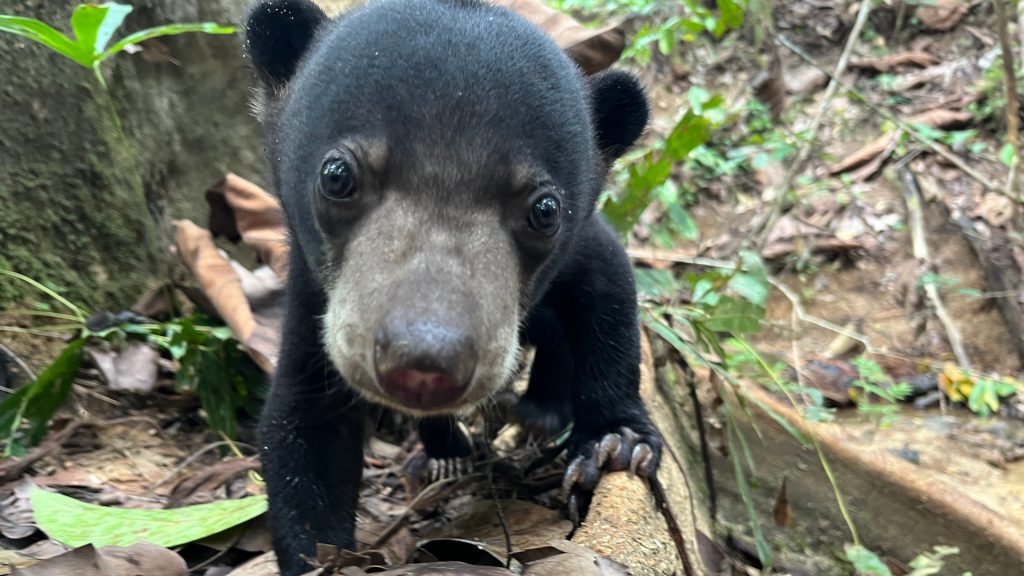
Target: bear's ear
(277, 35)
(620, 112)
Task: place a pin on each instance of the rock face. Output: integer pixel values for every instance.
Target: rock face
(76, 195)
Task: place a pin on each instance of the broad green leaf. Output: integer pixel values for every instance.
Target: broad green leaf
(167, 30)
(735, 316)
(46, 35)
(1006, 154)
(681, 221)
(656, 283)
(38, 401)
(94, 25)
(665, 41)
(731, 13)
(75, 523)
(751, 287)
(866, 562)
(691, 131)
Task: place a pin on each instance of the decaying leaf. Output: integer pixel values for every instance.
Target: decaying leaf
(433, 569)
(593, 49)
(199, 487)
(565, 557)
(133, 368)
(241, 210)
(770, 85)
(897, 61)
(806, 80)
(942, 15)
(996, 209)
(140, 558)
(223, 287)
(939, 118)
(782, 514)
(16, 512)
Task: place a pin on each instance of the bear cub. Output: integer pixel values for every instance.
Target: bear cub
(439, 163)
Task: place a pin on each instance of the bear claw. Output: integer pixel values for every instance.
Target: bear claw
(621, 450)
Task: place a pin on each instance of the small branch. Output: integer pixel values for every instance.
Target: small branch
(806, 318)
(762, 228)
(925, 141)
(915, 220)
(12, 469)
(1012, 106)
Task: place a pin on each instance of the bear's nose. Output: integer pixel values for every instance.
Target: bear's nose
(424, 363)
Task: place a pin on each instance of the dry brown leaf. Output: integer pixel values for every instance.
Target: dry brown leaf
(896, 61)
(594, 50)
(199, 487)
(782, 514)
(806, 80)
(432, 569)
(996, 209)
(222, 285)
(565, 557)
(135, 368)
(770, 86)
(241, 210)
(816, 246)
(141, 558)
(262, 565)
(937, 118)
(942, 15)
(16, 519)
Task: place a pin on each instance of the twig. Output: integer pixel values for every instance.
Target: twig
(501, 516)
(10, 355)
(1012, 106)
(915, 220)
(762, 228)
(12, 469)
(186, 463)
(924, 140)
(428, 492)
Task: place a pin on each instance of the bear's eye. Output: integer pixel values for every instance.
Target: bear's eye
(545, 214)
(337, 179)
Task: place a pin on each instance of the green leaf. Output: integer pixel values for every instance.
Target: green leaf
(46, 35)
(751, 287)
(75, 523)
(735, 316)
(666, 40)
(731, 13)
(697, 96)
(94, 25)
(656, 283)
(37, 402)
(681, 222)
(1006, 154)
(866, 562)
(166, 30)
(691, 131)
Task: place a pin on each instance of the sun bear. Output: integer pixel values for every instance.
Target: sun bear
(439, 163)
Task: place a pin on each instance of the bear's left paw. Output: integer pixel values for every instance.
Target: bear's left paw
(626, 448)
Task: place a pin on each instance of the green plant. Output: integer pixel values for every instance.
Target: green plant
(874, 383)
(212, 364)
(666, 23)
(75, 523)
(644, 176)
(93, 26)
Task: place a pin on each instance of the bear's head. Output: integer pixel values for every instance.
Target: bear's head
(435, 160)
